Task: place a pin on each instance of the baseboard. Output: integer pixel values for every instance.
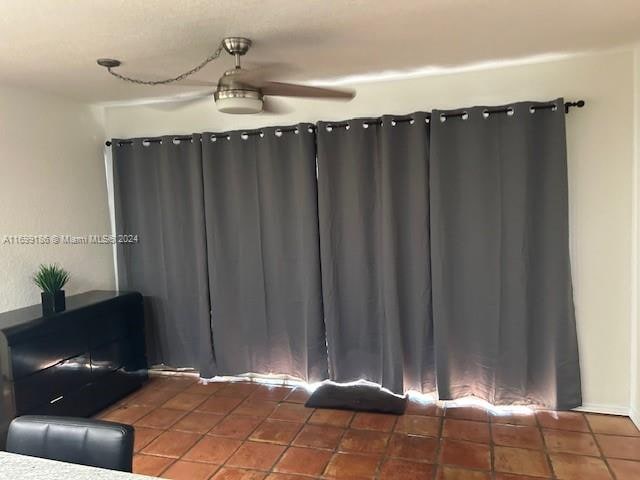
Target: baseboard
(634, 415)
(604, 408)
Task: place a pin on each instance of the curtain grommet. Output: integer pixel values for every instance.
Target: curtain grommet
(278, 133)
(244, 135)
(485, 113)
(510, 112)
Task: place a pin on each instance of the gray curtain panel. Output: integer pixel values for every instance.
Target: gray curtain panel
(502, 296)
(159, 197)
(264, 266)
(373, 182)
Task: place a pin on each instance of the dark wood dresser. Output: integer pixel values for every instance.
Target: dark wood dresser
(72, 363)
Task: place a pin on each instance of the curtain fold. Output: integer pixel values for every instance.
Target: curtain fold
(503, 305)
(159, 197)
(263, 255)
(373, 183)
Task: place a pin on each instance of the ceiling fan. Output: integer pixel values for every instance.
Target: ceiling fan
(239, 90)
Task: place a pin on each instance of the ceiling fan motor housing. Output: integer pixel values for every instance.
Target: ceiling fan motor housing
(233, 96)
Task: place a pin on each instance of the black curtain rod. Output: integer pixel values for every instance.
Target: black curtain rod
(567, 106)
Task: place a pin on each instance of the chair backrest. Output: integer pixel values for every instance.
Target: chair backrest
(74, 440)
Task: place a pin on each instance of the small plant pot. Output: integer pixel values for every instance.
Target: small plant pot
(52, 302)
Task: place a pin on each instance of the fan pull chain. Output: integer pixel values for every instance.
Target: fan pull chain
(165, 81)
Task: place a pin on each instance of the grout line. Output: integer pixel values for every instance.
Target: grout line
(595, 440)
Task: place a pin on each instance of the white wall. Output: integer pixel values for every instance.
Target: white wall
(600, 144)
(635, 323)
(52, 181)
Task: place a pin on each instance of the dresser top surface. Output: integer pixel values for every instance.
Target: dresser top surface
(31, 315)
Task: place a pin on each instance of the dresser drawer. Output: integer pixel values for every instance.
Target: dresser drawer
(50, 348)
(112, 356)
(50, 384)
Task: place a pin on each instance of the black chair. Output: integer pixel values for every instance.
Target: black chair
(74, 440)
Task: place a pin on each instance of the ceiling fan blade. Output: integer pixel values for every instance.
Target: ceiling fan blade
(292, 90)
(182, 101)
(274, 106)
(258, 75)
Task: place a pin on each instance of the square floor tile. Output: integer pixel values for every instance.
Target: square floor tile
(570, 442)
(303, 461)
(466, 430)
(612, 424)
(625, 469)
(374, 421)
(171, 444)
(514, 418)
(521, 461)
(272, 393)
(465, 454)
(467, 412)
(150, 464)
(171, 382)
(517, 436)
(205, 388)
(352, 466)
(153, 397)
(511, 476)
(335, 418)
(183, 470)
(298, 395)
(613, 446)
(143, 437)
(410, 447)
(574, 421)
(128, 414)
(185, 401)
(197, 422)
(395, 469)
(237, 390)
(230, 473)
(578, 467)
(420, 407)
(456, 473)
(212, 450)
(319, 436)
(256, 408)
(255, 455)
(276, 431)
(418, 425)
(291, 412)
(364, 441)
(285, 476)
(236, 426)
(219, 405)
(161, 418)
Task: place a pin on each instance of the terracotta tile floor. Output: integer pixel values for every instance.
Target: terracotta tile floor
(249, 431)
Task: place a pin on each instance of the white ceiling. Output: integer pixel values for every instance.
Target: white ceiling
(52, 45)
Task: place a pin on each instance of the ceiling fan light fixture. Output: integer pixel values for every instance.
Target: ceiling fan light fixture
(238, 101)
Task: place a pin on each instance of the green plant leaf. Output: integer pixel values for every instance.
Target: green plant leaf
(51, 278)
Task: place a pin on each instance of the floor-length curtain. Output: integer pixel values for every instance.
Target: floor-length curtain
(373, 182)
(159, 198)
(502, 297)
(263, 254)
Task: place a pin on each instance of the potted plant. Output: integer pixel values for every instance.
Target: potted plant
(51, 279)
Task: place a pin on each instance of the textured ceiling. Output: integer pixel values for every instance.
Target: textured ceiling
(52, 44)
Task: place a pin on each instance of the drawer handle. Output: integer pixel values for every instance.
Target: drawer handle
(57, 399)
